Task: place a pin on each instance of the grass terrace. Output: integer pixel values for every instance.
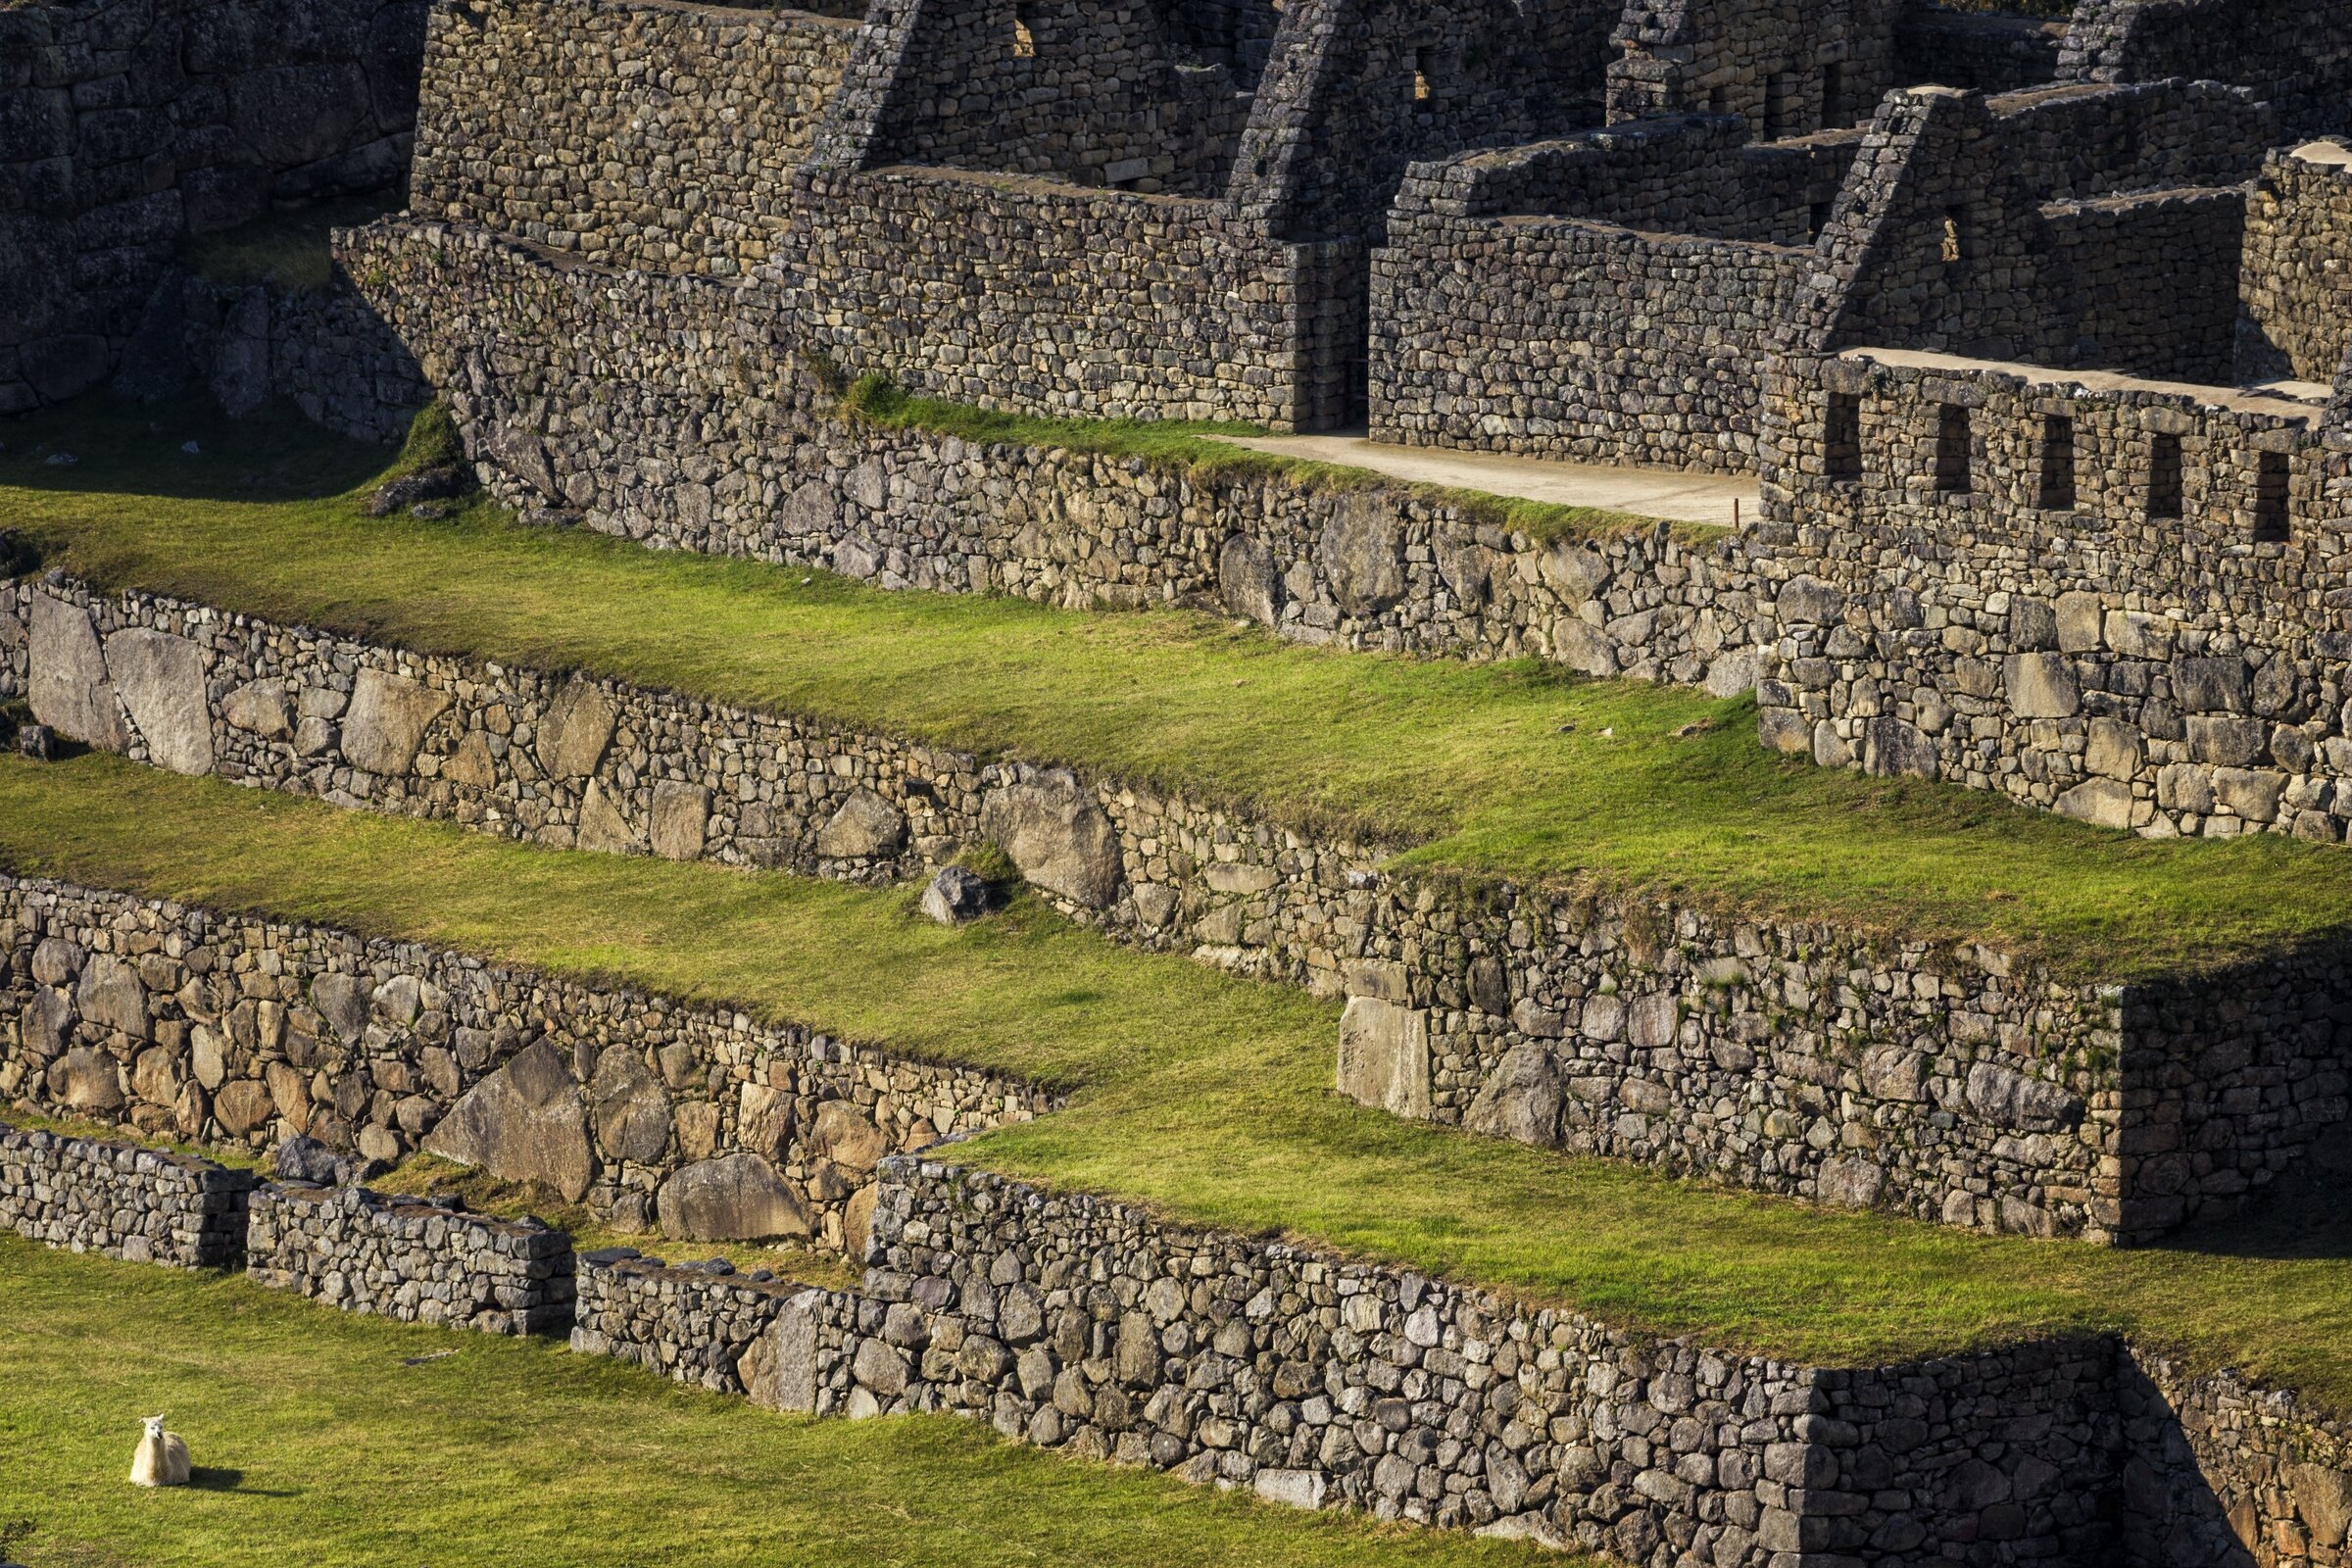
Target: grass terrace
(324, 1439)
(1511, 770)
(1205, 1097)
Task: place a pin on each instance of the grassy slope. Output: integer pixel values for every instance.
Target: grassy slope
(1204, 1096)
(317, 1448)
(1512, 769)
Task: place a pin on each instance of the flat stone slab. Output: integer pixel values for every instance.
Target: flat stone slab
(1666, 494)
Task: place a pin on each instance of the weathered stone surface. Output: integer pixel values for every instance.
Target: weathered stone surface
(1248, 582)
(1522, 1101)
(2009, 1097)
(1058, 836)
(1359, 551)
(523, 1123)
(2101, 802)
(2041, 686)
(734, 1198)
(954, 896)
(111, 995)
(1384, 1057)
(603, 826)
(865, 827)
(68, 688)
(576, 732)
(779, 1371)
(160, 681)
(630, 1108)
(86, 1081)
(386, 724)
(259, 708)
(848, 1137)
(682, 821)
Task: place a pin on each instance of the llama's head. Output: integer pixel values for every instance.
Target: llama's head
(155, 1427)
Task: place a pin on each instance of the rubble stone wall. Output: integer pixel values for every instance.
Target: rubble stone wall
(2292, 52)
(1986, 53)
(2297, 288)
(656, 134)
(2154, 281)
(142, 1205)
(2223, 1471)
(1790, 67)
(653, 408)
(127, 127)
(703, 1325)
(409, 1259)
(242, 1032)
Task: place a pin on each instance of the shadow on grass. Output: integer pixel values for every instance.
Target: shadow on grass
(214, 1478)
(123, 448)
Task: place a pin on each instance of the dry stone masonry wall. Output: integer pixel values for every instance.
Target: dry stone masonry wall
(241, 1032)
(412, 1260)
(128, 125)
(140, 1205)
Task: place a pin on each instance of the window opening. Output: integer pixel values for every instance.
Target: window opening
(1841, 440)
(1955, 239)
(1953, 457)
(1833, 97)
(2057, 464)
(1424, 90)
(2165, 485)
(1024, 38)
(2273, 522)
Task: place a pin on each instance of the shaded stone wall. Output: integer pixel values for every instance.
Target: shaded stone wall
(1970, 49)
(2171, 675)
(653, 135)
(136, 1203)
(2295, 53)
(701, 1324)
(241, 1032)
(649, 408)
(1789, 67)
(1799, 1058)
(2224, 1471)
(2152, 281)
(125, 127)
(409, 1259)
(2298, 274)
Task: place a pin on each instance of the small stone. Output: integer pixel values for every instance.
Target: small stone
(955, 897)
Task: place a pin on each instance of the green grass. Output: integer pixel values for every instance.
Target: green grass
(1513, 770)
(1190, 448)
(318, 1446)
(1205, 1097)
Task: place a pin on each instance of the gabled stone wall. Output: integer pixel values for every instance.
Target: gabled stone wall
(2295, 53)
(1789, 67)
(2297, 273)
(127, 127)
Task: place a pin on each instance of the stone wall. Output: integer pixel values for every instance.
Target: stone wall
(125, 127)
(648, 408)
(1073, 1323)
(1608, 298)
(2297, 273)
(654, 134)
(1957, 1086)
(409, 1259)
(2224, 1472)
(2154, 281)
(1789, 67)
(242, 1032)
(2170, 674)
(2295, 53)
(1995, 53)
(701, 1324)
(142, 1205)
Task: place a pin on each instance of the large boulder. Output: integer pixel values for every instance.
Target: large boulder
(1247, 582)
(1522, 1102)
(681, 825)
(1059, 837)
(2008, 1098)
(1384, 1057)
(779, 1369)
(604, 825)
(112, 996)
(631, 1108)
(386, 721)
(68, 688)
(160, 679)
(576, 732)
(87, 1081)
(735, 1198)
(523, 1123)
(866, 827)
(1359, 554)
(847, 1136)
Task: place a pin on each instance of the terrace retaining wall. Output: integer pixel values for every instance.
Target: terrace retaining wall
(410, 1259)
(1951, 1084)
(142, 1205)
(246, 1032)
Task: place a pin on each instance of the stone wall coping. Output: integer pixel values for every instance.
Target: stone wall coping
(210, 1174)
(404, 1206)
(2269, 405)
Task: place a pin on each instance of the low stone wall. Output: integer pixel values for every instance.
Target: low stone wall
(1076, 1324)
(2222, 1472)
(700, 1324)
(142, 1205)
(1955, 1085)
(582, 398)
(244, 1032)
(413, 1260)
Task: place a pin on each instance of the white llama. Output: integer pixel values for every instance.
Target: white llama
(161, 1459)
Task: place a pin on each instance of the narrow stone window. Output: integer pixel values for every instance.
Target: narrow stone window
(1833, 115)
(2165, 478)
(1956, 236)
(2272, 522)
(1717, 102)
(1842, 438)
(1954, 458)
(1024, 38)
(2057, 464)
(1778, 88)
(1424, 89)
